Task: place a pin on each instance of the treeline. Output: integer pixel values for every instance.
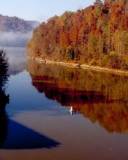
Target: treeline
(96, 35)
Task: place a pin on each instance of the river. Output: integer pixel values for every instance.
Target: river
(57, 113)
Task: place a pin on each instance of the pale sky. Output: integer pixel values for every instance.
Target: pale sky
(40, 9)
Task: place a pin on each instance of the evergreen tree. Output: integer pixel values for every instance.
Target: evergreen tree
(4, 99)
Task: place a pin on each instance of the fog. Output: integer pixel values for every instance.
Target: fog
(14, 39)
(16, 59)
(14, 45)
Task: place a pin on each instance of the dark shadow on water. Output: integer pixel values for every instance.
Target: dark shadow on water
(16, 136)
(3, 127)
(4, 99)
(21, 137)
(12, 134)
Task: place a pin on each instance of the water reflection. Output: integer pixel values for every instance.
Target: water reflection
(3, 127)
(22, 137)
(16, 59)
(102, 98)
(4, 99)
(16, 136)
(12, 134)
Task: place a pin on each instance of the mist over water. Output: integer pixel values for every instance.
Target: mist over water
(14, 45)
(15, 39)
(16, 59)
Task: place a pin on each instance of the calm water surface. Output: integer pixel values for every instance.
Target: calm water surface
(57, 113)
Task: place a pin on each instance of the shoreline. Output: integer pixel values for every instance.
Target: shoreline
(82, 66)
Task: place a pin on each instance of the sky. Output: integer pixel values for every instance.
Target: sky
(40, 10)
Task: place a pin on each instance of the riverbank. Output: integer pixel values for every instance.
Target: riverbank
(82, 66)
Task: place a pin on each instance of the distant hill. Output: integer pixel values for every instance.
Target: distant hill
(15, 31)
(96, 35)
(15, 24)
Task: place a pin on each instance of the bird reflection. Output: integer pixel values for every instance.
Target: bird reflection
(72, 111)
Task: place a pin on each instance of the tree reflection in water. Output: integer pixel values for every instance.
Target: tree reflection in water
(12, 134)
(102, 98)
(4, 99)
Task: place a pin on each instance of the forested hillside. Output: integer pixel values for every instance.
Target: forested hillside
(96, 35)
(15, 24)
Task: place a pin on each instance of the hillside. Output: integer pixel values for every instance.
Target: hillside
(15, 31)
(96, 35)
(14, 24)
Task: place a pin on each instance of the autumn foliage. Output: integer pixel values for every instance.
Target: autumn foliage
(96, 35)
(100, 97)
